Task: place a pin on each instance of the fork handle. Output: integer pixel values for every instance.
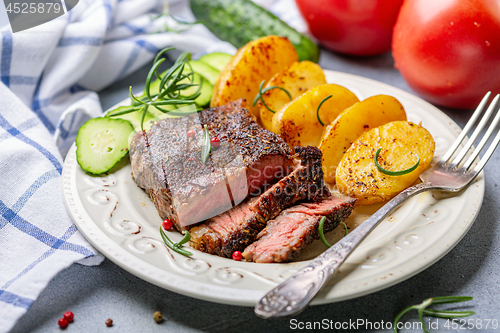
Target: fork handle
(292, 296)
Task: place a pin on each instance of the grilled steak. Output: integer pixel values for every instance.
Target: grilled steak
(235, 229)
(167, 163)
(295, 228)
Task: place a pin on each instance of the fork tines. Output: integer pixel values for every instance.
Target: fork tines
(482, 122)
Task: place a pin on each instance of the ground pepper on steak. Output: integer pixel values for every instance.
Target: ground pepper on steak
(167, 164)
(286, 236)
(235, 229)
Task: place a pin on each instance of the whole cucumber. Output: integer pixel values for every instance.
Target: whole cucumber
(241, 21)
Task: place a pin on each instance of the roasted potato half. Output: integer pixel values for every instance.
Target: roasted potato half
(402, 143)
(296, 79)
(351, 123)
(297, 122)
(256, 61)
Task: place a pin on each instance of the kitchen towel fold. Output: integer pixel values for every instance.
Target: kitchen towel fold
(49, 77)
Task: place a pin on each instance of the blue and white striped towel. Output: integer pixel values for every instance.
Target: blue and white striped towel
(49, 74)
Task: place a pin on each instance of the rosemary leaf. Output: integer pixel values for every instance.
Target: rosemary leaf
(450, 299)
(205, 149)
(152, 71)
(133, 98)
(400, 315)
(187, 85)
(166, 77)
(192, 71)
(145, 107)
(122, 110)
(173, 101)
(184, 240)
(448, 314)
(172, 245)
(158, 56)
(421, 309)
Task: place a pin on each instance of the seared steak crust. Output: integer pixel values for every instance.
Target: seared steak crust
(237, 228)
(167, 164)
(295, 228)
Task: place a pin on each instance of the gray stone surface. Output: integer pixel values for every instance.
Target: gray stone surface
(107, 291)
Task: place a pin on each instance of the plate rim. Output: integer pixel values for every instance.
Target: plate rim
(244, 297)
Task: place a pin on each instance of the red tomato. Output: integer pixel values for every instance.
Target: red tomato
(356, 27)
(449, 50)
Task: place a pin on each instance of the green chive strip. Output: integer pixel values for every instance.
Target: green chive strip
(320, 232)
(394, 173)
(346, 232)
(319, 106)
(174, 246)
(260, 95)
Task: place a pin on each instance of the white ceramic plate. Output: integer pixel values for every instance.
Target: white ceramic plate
(119, 219)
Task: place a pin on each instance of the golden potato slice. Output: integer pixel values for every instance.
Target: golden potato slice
(296, 79)
(297, 122)
(351, 123)
(256, 61)
(401, 143)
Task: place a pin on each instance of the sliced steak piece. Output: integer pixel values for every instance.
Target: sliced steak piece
(167, 163)
(235, 229)
(295, 228)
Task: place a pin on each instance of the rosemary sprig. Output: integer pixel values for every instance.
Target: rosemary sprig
(422, 310)
(167, 89)
(260, 95)
(319, 106)
(395, 173)
(205, 149)
(177, 247)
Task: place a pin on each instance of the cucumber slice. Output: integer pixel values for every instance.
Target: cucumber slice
(179, 111)
(101, 143)
(134, 118)
(217, 60)
(157, 113)
(208, 72)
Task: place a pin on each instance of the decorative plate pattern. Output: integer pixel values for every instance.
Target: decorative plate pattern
(119, 219)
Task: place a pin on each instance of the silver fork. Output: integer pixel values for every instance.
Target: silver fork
(292, 296)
